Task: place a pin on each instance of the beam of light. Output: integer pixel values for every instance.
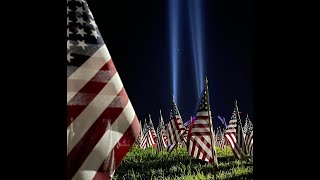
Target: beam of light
(195, 16)
(173, 28)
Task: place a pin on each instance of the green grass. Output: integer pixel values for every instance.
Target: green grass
(146, 164)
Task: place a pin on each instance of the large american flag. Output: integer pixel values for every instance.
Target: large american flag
(248, 132)
(162, 140)
(101, 122)
(175, 128)
(201, 143)
(231, 136)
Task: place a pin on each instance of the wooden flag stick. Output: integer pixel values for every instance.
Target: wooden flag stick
(211, 128)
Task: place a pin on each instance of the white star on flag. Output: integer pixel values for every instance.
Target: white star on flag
(81, 32)
(69, 57)
(68, 32)
(80, 10)
(80, 20)
(82, 44)
(68, 21)
(69, 44)
(95, 34)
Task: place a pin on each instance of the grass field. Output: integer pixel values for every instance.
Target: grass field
(146, 164)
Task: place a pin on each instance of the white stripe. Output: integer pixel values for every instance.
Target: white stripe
(230, 141)
(207, 138)
(231, 131)
(170, 135)
(190, 147)
(175, 131)
(86, 71)
(200, 130)
(233, 138)
(231, 126)
(90, 114)
(203, 146)
(203, 113)
(206, 159)
(200, 155)
(106, 144)
(195, 151)
(200, 121)
(149, 141)
(151, 137)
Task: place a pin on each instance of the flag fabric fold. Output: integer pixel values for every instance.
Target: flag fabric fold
(101, 122)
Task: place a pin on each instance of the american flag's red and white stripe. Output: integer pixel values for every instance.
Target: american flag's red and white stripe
(220, 141)
(162, 140)
(152, 135)
(201, 144)
(240, 134)
(248, 132)
(149, 139)
(249, 143)
(231, 136)
(143, 143)
(139, 139)
(101, 123)
(175, 129)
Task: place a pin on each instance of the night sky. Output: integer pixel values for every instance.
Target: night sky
(138, 38)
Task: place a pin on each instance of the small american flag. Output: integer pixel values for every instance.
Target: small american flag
(162, 140)
(220, 139)
(240, 134)
(101, 123)
(248, 132)
(144, 139)
(175, 128)
(201, 144)
(149, 137)
(152, 136)
(231, 136)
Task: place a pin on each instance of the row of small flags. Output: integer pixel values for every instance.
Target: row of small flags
(197, 134)
(102, 125)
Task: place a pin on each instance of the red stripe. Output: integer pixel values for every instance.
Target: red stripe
(200, 134)
(121, 148)
(92, 88)
(173, 137)
(202, 126)
(202, 117)
(80, 152)
(236, 147)
(181, 128)
(200, 150)
(175, 131)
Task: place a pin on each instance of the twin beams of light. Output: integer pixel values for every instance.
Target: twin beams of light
(174, 39)
(196, 25)
(195, 17)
